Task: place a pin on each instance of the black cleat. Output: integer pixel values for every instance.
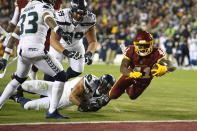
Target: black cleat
(18, 94)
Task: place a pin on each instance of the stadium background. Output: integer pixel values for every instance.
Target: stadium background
(172, 97)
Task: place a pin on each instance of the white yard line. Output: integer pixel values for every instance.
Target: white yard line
(160, 121)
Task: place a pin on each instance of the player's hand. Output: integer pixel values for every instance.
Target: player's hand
(103, 100)
(3, 63)
(88, 58)
(88, 106)
(72, 54)
(160, 71)
(134, 75)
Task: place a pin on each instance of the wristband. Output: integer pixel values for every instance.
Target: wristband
(65, 52)
(8, 50)
(16, 36)
(55, 29)
(6, 56)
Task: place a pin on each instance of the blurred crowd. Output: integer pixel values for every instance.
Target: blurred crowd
(173, 24)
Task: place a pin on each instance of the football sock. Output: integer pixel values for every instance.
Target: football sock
(8, 91)
(23, 101)
(56, 95)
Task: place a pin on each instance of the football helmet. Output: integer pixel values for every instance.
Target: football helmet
(143, 43)
(78, 10)
(106, 82)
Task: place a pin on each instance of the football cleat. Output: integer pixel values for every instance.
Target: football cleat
(55, 115)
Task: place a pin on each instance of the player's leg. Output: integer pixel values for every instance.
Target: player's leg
(135, 90)
(33, 73)
(76, 66)
(38, 87)
(38, 104)
(59, 57)
(23, 67)
(119, 87)
(52, 67)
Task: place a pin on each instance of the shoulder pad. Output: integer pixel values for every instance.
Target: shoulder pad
(89, 19)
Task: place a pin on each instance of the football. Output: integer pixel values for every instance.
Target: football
(154, 67)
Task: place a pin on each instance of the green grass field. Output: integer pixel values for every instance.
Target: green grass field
(171, 97)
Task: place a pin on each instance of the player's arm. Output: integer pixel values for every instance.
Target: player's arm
(55, 42)
(14, 21)
(91, 38)
(77, 91)
(92, 41)
(124, 69)
(9, 47)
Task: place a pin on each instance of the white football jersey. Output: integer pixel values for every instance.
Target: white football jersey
(33, 29)
(77, 32)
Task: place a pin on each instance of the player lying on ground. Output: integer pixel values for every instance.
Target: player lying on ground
(89, 93)
(140, 64)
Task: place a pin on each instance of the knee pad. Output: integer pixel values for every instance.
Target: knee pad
(48, 78)
(20, 80)
(71, 73)
(61, 76)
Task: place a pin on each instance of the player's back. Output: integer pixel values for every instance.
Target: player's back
(33, 30)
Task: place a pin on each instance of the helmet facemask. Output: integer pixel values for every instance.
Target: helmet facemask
(78, 10)
(105, 84)
(143, 48)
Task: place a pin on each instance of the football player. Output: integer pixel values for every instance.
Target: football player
(87, 92)
(19, 5)
(78, 22)
(140, 64)
(36, 18)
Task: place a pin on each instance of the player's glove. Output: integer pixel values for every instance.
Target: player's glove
(3, 63)
(160, 71)
(103, 100)
(88, 106)
(65, 35)
(88, 58)
(72, 54)
(83, 107)
(134, 75)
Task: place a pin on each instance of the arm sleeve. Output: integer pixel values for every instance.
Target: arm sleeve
(15, 17)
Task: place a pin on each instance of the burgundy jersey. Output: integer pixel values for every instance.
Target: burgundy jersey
(21, 4)
(143, 64)
(57, 4)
